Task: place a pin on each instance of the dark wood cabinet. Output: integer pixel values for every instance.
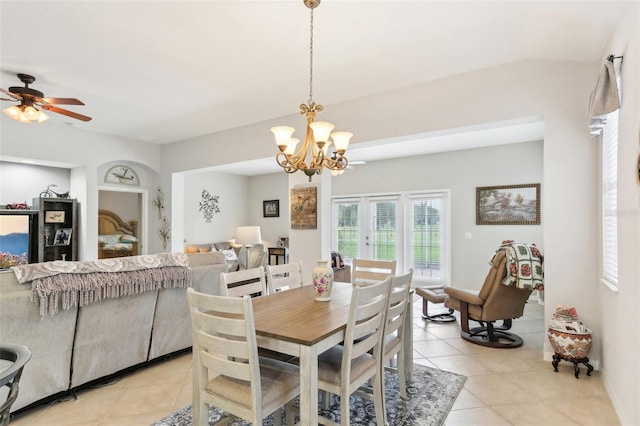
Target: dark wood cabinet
(57, 228)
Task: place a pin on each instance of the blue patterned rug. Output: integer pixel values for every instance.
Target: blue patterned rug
(431, 396)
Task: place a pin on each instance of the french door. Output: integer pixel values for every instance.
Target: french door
(411, 228)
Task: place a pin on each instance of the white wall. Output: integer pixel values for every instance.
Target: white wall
(269, 187)
(21, 183)
(461, 172)
(233, 192)
(619, 321)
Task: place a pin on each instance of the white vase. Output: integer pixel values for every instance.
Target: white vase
(322, 280)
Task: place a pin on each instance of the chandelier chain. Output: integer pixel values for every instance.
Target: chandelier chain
(311, 59)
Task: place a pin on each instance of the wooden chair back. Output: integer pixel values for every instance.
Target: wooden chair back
(284, 277)
(367, 271)
(224, 347)
(365, 325)
(244, 282)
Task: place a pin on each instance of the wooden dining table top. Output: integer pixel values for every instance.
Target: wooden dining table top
(295, 316)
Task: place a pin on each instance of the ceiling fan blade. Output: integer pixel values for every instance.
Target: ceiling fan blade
(60, 101)
(66, 112)
(7, 99)
(13, 95)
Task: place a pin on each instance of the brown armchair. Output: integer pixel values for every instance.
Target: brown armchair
(494, 302)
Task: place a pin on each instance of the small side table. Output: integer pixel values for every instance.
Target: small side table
(278, 252)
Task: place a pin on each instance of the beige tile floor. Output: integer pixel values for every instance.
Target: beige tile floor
(504, 386)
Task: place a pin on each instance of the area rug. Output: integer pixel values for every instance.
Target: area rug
(431, 395)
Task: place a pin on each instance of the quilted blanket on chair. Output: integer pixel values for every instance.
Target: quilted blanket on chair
(524, 265)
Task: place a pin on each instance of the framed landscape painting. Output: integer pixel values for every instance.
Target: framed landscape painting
(508, 205)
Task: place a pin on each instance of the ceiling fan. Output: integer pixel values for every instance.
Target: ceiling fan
(29, 98)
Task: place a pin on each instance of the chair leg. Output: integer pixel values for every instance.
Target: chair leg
(402, 383)
(277, 417)
(289, 416)
(325, 399)
(344, 410)
(201, 414)
(378, 398)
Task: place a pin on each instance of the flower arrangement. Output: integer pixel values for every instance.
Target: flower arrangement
(8, 259)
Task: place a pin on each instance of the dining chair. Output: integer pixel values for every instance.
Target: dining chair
(343, 368)
(367, 271)
(284, 276)
(227, 371)
(393, 340)
(244, 282)
(250, 282)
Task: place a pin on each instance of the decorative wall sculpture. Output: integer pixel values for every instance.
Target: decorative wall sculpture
(209, 205)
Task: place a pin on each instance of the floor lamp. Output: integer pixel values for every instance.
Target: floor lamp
(248, 236)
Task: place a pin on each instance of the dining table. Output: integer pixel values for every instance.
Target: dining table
(294, 323)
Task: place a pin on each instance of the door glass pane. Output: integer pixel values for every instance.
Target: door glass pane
(425, 241)
(382, 236)
(348, 230)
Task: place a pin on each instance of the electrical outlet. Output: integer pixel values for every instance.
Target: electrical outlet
(607, 349)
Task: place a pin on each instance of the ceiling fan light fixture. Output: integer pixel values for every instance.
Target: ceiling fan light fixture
(13, 112)
(42, 117)
(30, 112)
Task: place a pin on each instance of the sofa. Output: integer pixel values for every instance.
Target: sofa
(235, 254)
(82, 344)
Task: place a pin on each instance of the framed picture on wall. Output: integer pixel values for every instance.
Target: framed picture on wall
(508, 205)
(303, 208)
(271, 208)
(54, 216)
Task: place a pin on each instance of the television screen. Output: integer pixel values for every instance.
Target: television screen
(15, 238)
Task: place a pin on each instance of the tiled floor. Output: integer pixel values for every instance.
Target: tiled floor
(504, 386)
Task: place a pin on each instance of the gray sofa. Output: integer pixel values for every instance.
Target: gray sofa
(79, 345)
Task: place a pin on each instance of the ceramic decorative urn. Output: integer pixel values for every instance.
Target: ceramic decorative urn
(568, 336)
(322, 276)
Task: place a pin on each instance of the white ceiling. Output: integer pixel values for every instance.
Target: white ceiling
(163, 71)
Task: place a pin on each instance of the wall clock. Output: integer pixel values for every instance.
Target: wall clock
(124, 175)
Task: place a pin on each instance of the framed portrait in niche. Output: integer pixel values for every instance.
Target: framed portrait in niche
(271, 208)
(62, 237)
(508, 205)
(304, 213)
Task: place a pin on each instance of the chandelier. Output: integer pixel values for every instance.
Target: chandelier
(313, 155)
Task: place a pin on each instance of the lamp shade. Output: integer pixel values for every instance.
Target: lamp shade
(321, 130)
(248, 235)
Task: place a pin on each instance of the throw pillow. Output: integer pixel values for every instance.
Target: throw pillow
(230, 255)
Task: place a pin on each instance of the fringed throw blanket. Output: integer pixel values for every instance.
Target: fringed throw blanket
(71, 283)
(524, 265)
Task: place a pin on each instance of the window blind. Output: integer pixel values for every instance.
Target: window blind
(610, 198)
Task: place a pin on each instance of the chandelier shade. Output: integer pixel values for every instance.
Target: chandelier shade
(313, 155)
